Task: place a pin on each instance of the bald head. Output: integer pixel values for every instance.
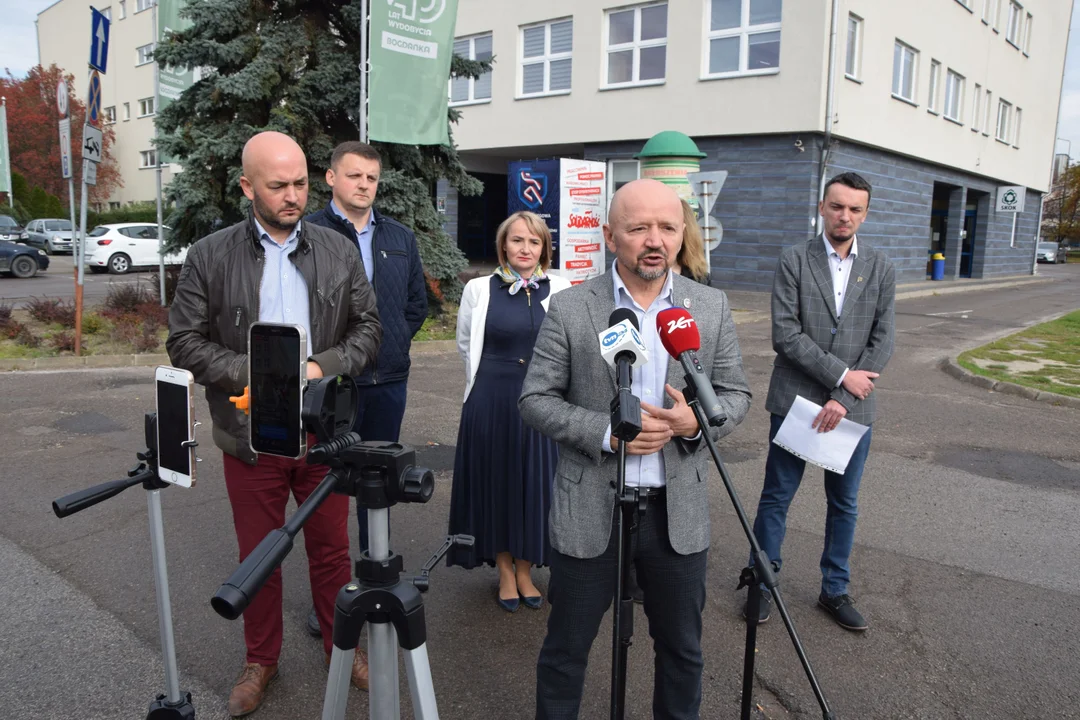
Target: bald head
(644, 229)
(275, 180)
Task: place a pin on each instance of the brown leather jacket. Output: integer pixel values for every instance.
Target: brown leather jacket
(217, 298)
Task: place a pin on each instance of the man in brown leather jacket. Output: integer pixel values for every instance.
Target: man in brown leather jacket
(273, 268)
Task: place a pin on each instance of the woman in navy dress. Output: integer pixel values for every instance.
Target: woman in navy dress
(503, 470)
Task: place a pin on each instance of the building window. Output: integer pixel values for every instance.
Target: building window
(141, 5)
(1003, 121)
(935, 76)
(107, 12)
(145, 54)
(1027, 34)
(470, 90)
(546, 58)
(123, 9)
(621, 172)
(903, 74)
(853, 62)
(636, 40)
(954, 95)
(976, 113)
(114, 205)
(744, 37)
(986, 113)
(1016, 19)
(110, 115)
(146, 107)
(148, 159)
(127, 111)
(1016, 129)
(988, 10)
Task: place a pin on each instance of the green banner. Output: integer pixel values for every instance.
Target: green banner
(411, 47)
(5, 157)
(172, 81)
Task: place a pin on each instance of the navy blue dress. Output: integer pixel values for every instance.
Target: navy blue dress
(503, 470)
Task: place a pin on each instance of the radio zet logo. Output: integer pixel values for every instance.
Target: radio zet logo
(680, 324)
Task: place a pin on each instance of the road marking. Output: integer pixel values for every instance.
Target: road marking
(964, 313)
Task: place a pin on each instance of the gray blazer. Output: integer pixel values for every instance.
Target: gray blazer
(814, 346)
(567, 395)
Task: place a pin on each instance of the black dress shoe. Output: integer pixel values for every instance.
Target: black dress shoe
(842, 609)
(313, 624)
(764, 608)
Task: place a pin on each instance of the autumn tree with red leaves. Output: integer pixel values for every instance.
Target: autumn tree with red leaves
(34, 138)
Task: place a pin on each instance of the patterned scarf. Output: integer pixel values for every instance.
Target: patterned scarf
(511, 277)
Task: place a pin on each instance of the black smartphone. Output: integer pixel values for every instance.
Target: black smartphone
(175, 400)
(276, 377)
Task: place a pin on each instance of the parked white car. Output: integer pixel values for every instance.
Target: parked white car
(1050, 252)
(121, 247)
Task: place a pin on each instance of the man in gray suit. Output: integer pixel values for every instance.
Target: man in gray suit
(832, 329)
(567, 394)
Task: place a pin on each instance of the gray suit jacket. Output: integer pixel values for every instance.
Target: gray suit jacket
(814, 346)
(567, 395)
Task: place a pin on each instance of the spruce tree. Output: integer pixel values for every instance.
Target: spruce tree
(292, 66)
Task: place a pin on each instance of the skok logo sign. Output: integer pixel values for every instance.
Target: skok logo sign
(680, 324)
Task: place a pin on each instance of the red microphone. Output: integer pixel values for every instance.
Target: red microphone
(680, 337)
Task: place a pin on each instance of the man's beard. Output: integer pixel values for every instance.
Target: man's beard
(269, 218)
(648, 274)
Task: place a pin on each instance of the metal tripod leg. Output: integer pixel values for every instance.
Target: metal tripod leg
(383, 698)
(418, 669)
(337, 684)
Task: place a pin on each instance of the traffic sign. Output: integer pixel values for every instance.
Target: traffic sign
(62, 98)
(93, 105)
(65, 148)
(99, 40)
(707, 185)
(89, 173)
(91, 145)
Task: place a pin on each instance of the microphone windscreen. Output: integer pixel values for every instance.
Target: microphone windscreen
(621, 314)
(678, 331)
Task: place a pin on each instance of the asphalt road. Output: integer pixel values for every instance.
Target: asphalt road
(966, 561)
(59, 282)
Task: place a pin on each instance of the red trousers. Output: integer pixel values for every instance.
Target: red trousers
(258, 495)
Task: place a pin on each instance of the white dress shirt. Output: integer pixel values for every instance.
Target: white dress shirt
(841, 268)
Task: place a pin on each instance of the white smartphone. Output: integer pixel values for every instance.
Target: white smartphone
(175, 393)
(277, 373)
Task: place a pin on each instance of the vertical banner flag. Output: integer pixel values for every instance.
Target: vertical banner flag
(571, 197)
(5, 156)
(172, 81)
(411, 45)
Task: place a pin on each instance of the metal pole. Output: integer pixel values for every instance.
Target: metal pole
(71, 210)
(706, 226)
(383, 696)
(82, 236)
(363, 69)
(7, 153)
(157, 158)
(161, 585)
(830, 94)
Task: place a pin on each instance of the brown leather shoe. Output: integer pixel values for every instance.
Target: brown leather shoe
(247, 694)
(359, 670)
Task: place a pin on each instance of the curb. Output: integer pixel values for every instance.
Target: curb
(84, 361)
(952, 368)
(951, 288)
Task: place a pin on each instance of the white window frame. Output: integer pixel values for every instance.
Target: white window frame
(141, 5)
(472, 99)
(546, 59)
(147, 159)
(144, 56)
(127, 111)
(1014, 27)
(1027, 33)
(636, 45)
(935, 87)
(108, 115)
(611, 173)
(743, 32)
(1018, 116)
(1001, 129)
(976, 108)
(854, 58)
(107, 12)
(896, 92)
(144, 103)
(123, 9)
(954, 96)
(986, 112)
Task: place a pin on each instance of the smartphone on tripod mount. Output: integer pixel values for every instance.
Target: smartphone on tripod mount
(175, 398)
(277, 373)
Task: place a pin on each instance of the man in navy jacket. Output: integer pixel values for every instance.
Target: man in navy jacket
(391, 260)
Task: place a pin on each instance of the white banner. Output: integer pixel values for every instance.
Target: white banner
(582, 214)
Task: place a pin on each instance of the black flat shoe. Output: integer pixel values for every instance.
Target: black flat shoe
(510, 606)
(533, 602)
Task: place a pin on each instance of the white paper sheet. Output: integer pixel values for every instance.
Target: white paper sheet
(831, 450)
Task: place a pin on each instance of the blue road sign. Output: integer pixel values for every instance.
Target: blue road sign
(93, 107)
(99, 40)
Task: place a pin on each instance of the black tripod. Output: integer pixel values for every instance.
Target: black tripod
(378, 475)
(753, 577)
(625, 425)
(174, 704)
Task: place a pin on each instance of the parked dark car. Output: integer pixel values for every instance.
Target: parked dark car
(10, 229)
(20, 260)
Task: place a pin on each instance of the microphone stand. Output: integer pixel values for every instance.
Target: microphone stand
(753, 577)
(625, 425)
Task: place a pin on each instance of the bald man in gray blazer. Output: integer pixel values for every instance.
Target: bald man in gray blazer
(833, 331)
(567, 395)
